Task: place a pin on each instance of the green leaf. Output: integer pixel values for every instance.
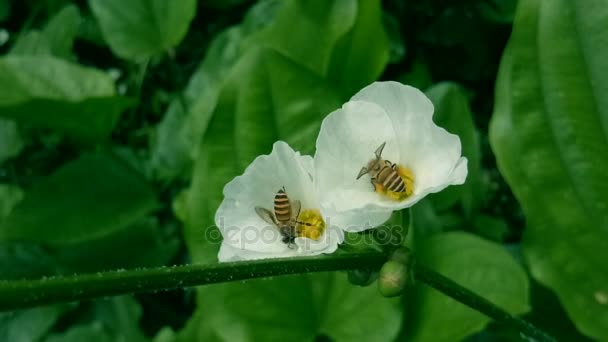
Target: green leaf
(295, 308)
(187, 117)
(140, 244)
(350, 46)
(55, 39)
(84, 200)
(267, 97)
(396, 42)
(61, 30)
(5, 10)
(307, 31)
(479, 265)
(31, 324)
(11, 142)
(549, 136)
(31, 43)
(425, 221)
(20, 260)
(360, 56)
(139, 29)
(453, 113)
(221, 4)
(92, 332)
(418, 76)
(490, 227)
(116, 319)
(178, 136)
(500, 11)
(10, 195)
(547, 314)
(49, 92)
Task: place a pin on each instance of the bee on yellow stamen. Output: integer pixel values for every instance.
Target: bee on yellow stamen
(389, 179)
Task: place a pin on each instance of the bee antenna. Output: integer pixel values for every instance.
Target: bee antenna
(378, 152)
(363, 171)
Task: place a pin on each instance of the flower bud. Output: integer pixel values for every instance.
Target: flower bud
(396, 273)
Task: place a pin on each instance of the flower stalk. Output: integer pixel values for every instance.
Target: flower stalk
(21, 294)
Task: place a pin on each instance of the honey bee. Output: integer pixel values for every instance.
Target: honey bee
(284, 218)
(386, 176)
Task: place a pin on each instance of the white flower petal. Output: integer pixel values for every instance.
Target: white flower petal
(400, 115)
(228, 253)
(357, 220)
(347, 141)
(242, 228)
(430, 151)
(398, 100)
(408, 109)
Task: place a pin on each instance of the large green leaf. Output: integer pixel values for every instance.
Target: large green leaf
(360, 56)
(140, 244)
(350, 45)
(50, 92)
(84, 200)
(5, 9)
(30, 324)
(295, 308)
(175, 144)
(21, 260)
(31, 43)
(452, 112)
(481, 266)
(186, 118)
(56, 38)
(115, 319)
(11, 142)
(266, 98)
(139, 29)
(500, 11)
(307, 31)
(549, 135)
(61, 31)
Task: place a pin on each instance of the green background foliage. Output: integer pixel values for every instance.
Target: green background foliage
(549, 134)
(121, 122)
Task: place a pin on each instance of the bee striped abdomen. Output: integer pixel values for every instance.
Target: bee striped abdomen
(390, 179)
(282, 207)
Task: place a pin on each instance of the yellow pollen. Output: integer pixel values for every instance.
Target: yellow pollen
(310, 224)
(408, 178)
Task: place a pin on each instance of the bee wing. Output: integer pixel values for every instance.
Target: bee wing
(266, 215)
(295, 209)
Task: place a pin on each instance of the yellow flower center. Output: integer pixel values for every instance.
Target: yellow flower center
(407, 176)
(310, 224)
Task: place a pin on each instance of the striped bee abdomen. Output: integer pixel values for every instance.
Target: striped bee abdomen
(282, 207)
(390, 179)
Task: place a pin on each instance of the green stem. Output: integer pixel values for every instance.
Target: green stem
(20, 294)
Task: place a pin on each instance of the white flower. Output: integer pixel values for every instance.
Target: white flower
(427, 158)
(247, 235)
